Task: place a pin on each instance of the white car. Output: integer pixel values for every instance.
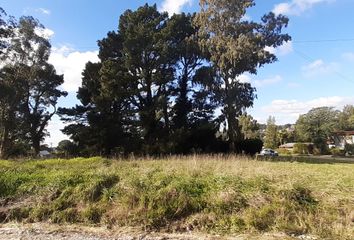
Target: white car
(269, 152)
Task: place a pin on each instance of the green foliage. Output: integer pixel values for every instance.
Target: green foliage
(66, 148)
(251, 146)
(29, 87)
(271, 135)
(152, 59)
(317, 127)
(346, 118)
(235, 47)
(262, 219)
(337, 152)
(303, 148)
(249, 127)
(284, 151)
(349, 149)
(92, 214)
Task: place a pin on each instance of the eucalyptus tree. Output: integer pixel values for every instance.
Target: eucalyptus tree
(32, 80)
(236, 46)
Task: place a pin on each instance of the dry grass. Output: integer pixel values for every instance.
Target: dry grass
(215, 194)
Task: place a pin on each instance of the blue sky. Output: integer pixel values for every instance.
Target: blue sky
(315, 69)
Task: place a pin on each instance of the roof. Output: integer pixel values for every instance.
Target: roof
(287, 145)
(344, 133)
(44, 153)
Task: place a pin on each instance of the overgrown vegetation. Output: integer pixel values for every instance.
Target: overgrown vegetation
(208, 193)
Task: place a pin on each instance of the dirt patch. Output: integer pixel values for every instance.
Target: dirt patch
(14, 231)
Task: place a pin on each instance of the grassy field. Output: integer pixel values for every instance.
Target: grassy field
(210, 194)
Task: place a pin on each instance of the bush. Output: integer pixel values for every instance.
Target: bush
(284, 151)
(251, 146)
(337, 152)
(303, 148)
(349, 149)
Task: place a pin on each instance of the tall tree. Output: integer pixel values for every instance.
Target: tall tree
(184, 47)
(150, 66)
(271, 134)
(33, 79)
(236, 46)
(8, 93)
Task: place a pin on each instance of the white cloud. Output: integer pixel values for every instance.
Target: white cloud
(349, 56)
(244, 78)
(283, 50)
(43, 11)
(71, 63)
(174, 6)
(53, 128)
(297, 7)
(247, 78)
(288, 111)
(267, 81)
(44, 32)
(319, 67)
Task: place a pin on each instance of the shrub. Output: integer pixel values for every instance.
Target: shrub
(97, 188)
(302, 196)
(284, 151)
(93, 214)
(337, 152)
(251, 146)
(303, 148)
(69, 215)
(262, 219)
(349, 149)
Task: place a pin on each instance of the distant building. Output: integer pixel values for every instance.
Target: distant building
(342, 138)
(288, 146)
(44, 154)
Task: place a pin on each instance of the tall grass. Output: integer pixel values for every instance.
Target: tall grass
(216, 194)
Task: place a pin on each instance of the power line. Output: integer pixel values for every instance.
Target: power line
(310, 60)
(324, 40)
(94, 47)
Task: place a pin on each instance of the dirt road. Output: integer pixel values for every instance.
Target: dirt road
(14, 231)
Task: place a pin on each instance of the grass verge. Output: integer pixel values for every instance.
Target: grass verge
(213, 194)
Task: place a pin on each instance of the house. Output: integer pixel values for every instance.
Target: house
(341, 138)
(44, 154)
(288, 146)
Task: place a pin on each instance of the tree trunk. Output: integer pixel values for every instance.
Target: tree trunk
(182, 108)
(36, 144)
(4, 141)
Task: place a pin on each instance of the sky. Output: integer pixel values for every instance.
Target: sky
(315, 69)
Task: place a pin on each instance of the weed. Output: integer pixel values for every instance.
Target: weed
(92, 214)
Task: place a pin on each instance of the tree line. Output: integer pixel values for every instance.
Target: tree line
(163, 85)
(318, 126)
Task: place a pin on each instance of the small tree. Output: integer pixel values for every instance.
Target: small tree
(67, 148)
(249, 127)
(271, 135)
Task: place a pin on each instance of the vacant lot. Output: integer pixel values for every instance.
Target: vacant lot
(207, 194)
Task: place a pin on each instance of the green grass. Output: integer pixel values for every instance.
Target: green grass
(213, 194)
